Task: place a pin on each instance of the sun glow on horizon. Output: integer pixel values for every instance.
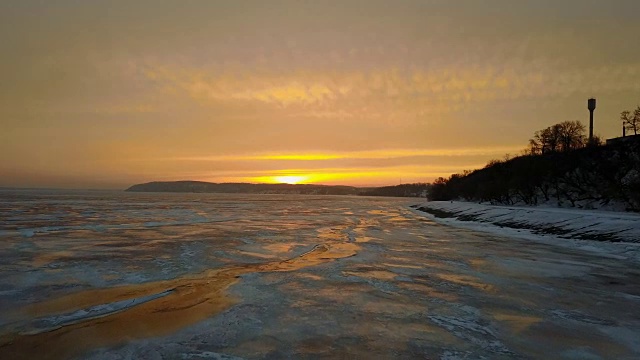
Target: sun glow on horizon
(345, 176)
(289, 179)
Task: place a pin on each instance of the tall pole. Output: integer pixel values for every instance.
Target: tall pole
(591, 105)
(590, 126)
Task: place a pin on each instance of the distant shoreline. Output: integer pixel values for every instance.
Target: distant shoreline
(187, 186)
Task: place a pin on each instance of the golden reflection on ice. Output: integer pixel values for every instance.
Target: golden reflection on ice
(372, 274)
(429, 291)
(478, 263)
(189, 299)
(517, 323)
(364, 239)
(309, 276)
(404, 266)
(466, 280)
(256, 254)
(281, 248)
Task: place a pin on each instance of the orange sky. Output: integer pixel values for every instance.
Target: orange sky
(108, 94)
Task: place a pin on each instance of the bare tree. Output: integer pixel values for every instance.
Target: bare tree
(492, 162)
(631, 122)
(551, 138)
(571, 135)
(545, 141)
(535, 146)
(598, 140)
(566, 136)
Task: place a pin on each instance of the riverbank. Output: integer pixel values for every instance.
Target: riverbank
(609, 232)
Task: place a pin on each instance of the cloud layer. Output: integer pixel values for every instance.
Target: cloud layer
(106, 94)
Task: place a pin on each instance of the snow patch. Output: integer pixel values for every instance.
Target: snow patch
(618, 233)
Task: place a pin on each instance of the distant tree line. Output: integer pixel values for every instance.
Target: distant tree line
(402, 190)
(243, 188)
(557, 168)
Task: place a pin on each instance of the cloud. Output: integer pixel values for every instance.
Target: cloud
(392, 91)
(245, 86)
(295, 85)
(368, 154)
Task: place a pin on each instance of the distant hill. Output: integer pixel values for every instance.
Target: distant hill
(245, 188)
(403, 190)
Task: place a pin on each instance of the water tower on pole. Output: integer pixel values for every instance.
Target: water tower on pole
(591, 105)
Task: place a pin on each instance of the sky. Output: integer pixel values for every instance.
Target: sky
(106, 94)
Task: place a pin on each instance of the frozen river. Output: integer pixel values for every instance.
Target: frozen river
(114, 275)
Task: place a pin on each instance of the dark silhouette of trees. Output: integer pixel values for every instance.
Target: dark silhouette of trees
(441, 190)
(597, 140)
(557, 168)
(631, 122)
(565, 136)
(572, 135)
(402, 190)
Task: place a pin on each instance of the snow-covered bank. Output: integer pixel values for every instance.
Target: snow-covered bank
(602, 231)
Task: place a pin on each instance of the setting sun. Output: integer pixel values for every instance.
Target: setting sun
(289, 179)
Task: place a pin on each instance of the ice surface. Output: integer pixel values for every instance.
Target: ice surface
(57, 321)
(300, 277)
